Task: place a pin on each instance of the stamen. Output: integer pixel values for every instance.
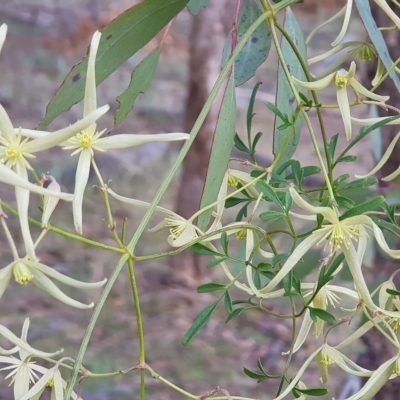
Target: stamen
(22, 273)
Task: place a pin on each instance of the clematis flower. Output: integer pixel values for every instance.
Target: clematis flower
(53, 379)
(89, 140)
(342, 79)
(15, 151)
(23, 369)
(349, 235)
(26, 271)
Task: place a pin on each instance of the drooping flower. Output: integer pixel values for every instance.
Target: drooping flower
(348, 235)
(342, 79)
(31, 271)
(23, 370)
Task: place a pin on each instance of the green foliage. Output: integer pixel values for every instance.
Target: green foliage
(195, 6)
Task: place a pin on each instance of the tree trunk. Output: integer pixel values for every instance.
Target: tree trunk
(209, 32)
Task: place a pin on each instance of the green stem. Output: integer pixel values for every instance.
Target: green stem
(61, 232)
(199, 122)
(139, 322)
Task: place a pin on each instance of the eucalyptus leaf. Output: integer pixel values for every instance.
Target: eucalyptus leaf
(256, 50)
(120, 40)
(286, 140)
(220, 152)
(140, 82)
(195, 6)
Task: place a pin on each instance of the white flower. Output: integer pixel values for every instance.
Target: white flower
(342, 79)
(23, 370)
(15, 151)
(342, 234)
(28, 271)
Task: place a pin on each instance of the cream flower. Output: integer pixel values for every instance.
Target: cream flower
(23, 370)
(389, 12)
(342, 79)
(348, 235)
(15, 151)
(89, 139)
(28, 271)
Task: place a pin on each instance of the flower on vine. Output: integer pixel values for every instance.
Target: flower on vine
(89, 139)
(384, 159)
(27, 271)
(342, 79)
(348, 235)
(235, 177)
(23, 370)
(15, 153)
(51, 378)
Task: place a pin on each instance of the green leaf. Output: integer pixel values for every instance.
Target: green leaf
(236, 313)
(331, 147)
(377, 38)
(228, 303)
(361, 183)
(234, 201)
(121, 39)
(225, 242)
(194, 6)
(255, 375)
(344, 202)
(280, 258)
(239, 144)
(269, 192)
(250, 109)
(199, 323)
(203, 250)
(313, 391)
(393, 292)
(288, 201)
(346, 159)
(140, 82)
(271, 215)
(256, 50)
(297, 172)
(285, 100)
(210, 287)
(321, 314)
(362, 208)
(220, 152)
(215, 262)
(257, 280)
(327, 272)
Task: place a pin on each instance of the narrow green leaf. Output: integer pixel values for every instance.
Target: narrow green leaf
(393, 292)
(256, 50)
(280, 258)
(199, 323)
(215, 262)
(234, 201)
(239, 144)
(121, 39)
(253, 375)
(250, 108)
(225, 242)
(331, 148)
(344, 202)
(228, 303)
(362, 208)
(195, 6)
(236, 313)
(220, 152)
(377, 39)
(361, 183)
(288, 201)
(257, 280)
(210, 287)
(321, 314)
(347, 159)
(271, 215)
(285, 100)
(269, 192)
(203, 250)
(313, 391)
(140, 82)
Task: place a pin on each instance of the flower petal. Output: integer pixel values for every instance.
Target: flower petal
(90, 100)
(384, 158)
(22, 381)
(365, 92)
(294, 258)
(344, 106)
(382, 242)
(5, 276)
(389, 12)
(6, 126)
(124, 141)
(316, 85)
(44, 283)
(357, 334)
(24, 336)
(40, 385)
(3, 34)
(372, 121)
(11, 178)
(345, 25)
(63, 278)
(303, 332)
(81, 179)
(57, 137)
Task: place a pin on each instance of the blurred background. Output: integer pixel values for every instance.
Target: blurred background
(45, 39)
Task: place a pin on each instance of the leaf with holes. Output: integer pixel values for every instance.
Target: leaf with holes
(256, 50)
(121, 39)
(140, 82)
